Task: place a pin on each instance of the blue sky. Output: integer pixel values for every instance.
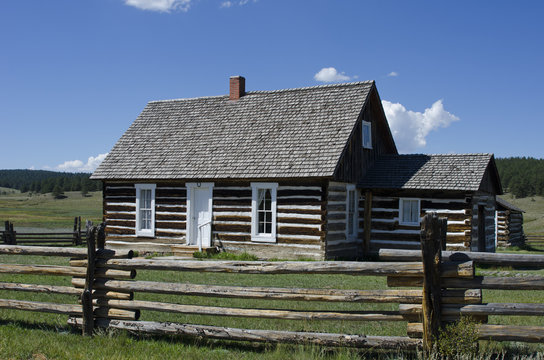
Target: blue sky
(463, 76)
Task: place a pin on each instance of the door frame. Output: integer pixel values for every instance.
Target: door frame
(190, 209)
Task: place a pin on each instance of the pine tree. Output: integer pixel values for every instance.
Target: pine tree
(57, 192)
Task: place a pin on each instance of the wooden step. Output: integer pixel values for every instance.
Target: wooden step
(189, 250)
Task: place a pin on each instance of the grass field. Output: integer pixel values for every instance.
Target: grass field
(533, 218)
(42, 211)
(26, 335)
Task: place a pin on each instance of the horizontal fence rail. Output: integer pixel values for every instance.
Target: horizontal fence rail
(68, 238)
(109, 295)
(534, 240)
(479, 312)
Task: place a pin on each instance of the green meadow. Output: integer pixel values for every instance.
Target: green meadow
(43, 211)
(33, 335)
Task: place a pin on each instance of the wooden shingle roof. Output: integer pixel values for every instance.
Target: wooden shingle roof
(456, 172)
(505, 205)
(265, 134)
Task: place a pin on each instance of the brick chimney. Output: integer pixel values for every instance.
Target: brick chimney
(237, 87)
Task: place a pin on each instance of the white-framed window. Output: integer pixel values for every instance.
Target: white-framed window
(409, 211)
(351, 212)
(367, 135)
(145, 209)
(263, 212)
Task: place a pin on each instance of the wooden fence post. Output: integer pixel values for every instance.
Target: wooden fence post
(13, 235)
(74, 233)
(5, 235)
(431, 248)
(78, 230)
(101, 236)
(86, 297)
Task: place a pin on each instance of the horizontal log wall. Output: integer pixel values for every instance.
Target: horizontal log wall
(488, 204)
(387, 232)
(337, 243)
(170, 213)
(509, 228)
(300, 230)
(300, 218)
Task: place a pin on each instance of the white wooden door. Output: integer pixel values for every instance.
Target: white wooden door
(201, 217)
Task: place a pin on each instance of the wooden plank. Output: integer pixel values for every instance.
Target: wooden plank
(481, 282)
(113, 313)
(68, 309)
(532, 334)
(258, 267)
(266, 336)
(48, 289)
(526, 309)
(270, 293)
(62, 251)
(477, 257)
(287, 267)
(252, 313)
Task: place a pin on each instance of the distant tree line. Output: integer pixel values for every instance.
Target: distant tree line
(522, 176)
(42, 181)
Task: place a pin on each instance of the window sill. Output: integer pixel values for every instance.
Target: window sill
(264, 239)
(410, 223)
(147, 234)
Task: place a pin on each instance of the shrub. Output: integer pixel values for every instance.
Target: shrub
(457, 339)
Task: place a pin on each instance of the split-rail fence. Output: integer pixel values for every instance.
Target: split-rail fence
(534, 240)
(442, 288)
(66, 238)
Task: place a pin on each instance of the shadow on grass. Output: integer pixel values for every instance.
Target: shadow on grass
(40, 326)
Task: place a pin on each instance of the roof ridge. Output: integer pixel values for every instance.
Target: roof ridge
(256, 92)
(355, 83)
(187, 99)
(456, 154)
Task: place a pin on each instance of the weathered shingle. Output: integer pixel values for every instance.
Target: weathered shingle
(505, 205)
(265, 134)
(463, 172)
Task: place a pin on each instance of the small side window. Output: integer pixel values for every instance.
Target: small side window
(367, 135)
(351, 212)
(145, 209)
(409, 211)
(263, 212)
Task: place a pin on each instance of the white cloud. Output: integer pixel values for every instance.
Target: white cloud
(330, 74)
(393, 74)
(410, 128)
(228, 3)
(160, 5)
(78, 165)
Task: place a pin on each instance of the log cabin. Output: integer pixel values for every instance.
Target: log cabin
(509, 224)
(400, 189)
(280, 174)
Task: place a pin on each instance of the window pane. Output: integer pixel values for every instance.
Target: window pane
(414, 212)
(145, 199)
(367, 135)
(145, 216)
(406, 211)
